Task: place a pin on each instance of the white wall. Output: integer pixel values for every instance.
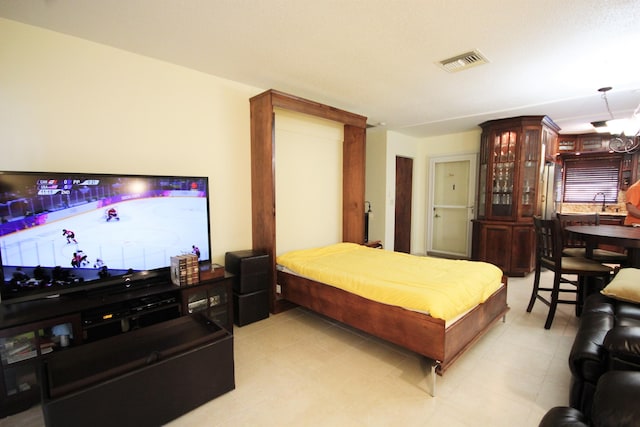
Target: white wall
(308, 154)
(451, 144)
(67, 104)
(382, 148)
(404, 146)
(376, 182)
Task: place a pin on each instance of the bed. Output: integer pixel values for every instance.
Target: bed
(441, 336)
(434, 338)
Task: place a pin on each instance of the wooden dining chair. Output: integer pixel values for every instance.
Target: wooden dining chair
(549, 245)
(574, 246)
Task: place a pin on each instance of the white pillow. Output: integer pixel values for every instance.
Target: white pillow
(625, 286)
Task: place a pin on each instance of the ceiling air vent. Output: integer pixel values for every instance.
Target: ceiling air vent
(462, 62)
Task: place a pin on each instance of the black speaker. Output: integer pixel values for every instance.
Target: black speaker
(251, 278)
(250, 268)
(251, 307)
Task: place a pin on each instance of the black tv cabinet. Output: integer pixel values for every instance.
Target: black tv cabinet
(145, 378)
(29, 330)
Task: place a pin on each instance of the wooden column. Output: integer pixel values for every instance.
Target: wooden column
(353, 177)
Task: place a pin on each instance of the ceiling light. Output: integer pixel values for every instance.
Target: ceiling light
(620, 128)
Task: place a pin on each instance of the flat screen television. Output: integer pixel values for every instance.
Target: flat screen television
(71, 232)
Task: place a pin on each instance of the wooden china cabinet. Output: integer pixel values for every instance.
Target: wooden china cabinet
(512, 156)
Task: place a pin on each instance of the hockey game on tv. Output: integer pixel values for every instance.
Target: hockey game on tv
(60, 232)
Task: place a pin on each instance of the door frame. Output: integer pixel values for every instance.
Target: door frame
(472, 158)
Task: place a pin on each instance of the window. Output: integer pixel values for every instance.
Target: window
(586, 177)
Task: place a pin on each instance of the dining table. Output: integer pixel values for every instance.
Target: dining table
(623, 236)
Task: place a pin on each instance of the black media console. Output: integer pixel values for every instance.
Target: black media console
(144, 378)
(33, 332)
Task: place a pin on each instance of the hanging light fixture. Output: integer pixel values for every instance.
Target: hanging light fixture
(620, 128)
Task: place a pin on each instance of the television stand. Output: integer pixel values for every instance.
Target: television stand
(148, 377)
(30, 331)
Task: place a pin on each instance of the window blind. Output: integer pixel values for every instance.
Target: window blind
(584, 178)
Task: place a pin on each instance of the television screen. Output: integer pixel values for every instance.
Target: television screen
(64, 232)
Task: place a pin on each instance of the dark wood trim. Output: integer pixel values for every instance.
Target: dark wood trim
(305, 106)
(263, 172)
(263, 200)
(353, 177)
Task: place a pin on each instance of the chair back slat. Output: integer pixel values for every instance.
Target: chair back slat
(548, 239)
(569, 239)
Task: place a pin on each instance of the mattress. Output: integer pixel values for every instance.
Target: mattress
(443, 288)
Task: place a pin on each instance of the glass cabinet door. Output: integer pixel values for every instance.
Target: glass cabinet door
(21, 349)
(211, 298)
(20, 379)
(503, 172)
(17, 348)
(531, 152)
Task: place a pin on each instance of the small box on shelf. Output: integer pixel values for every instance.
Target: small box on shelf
(185, 270)
(46, 345)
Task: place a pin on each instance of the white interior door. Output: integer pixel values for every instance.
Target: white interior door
(451, 205)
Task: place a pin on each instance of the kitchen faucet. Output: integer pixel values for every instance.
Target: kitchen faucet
(604, 198)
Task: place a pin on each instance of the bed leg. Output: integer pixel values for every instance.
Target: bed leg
(431, 378)
(504, 318)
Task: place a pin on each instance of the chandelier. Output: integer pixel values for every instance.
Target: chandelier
(620, 128)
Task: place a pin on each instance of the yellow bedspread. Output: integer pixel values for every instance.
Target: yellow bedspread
(441, 287)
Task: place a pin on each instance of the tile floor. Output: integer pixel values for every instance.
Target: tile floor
(299, 369)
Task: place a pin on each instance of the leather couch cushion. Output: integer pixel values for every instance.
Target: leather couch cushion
(627, 314)
(623, 345)
(562, 416)
(598, 303)
(616, 400)
(615, 404)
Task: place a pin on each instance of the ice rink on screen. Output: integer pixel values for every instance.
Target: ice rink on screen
(149, 232)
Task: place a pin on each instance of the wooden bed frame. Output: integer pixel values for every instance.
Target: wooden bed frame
(412, 330)
(417, 332)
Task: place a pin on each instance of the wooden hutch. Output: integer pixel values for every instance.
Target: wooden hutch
(512, 155)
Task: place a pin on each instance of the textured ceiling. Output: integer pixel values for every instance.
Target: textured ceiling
(378, 58)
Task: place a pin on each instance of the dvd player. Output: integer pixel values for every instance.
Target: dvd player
(126, 309)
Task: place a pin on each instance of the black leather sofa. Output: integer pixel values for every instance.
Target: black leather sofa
(608, 338)
(605, 360)
(615, 404)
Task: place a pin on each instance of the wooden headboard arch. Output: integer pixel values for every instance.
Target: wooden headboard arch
(263, 205)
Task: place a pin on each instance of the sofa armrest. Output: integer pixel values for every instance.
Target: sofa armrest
(563, 416)
(623, 347)
(587, 359)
